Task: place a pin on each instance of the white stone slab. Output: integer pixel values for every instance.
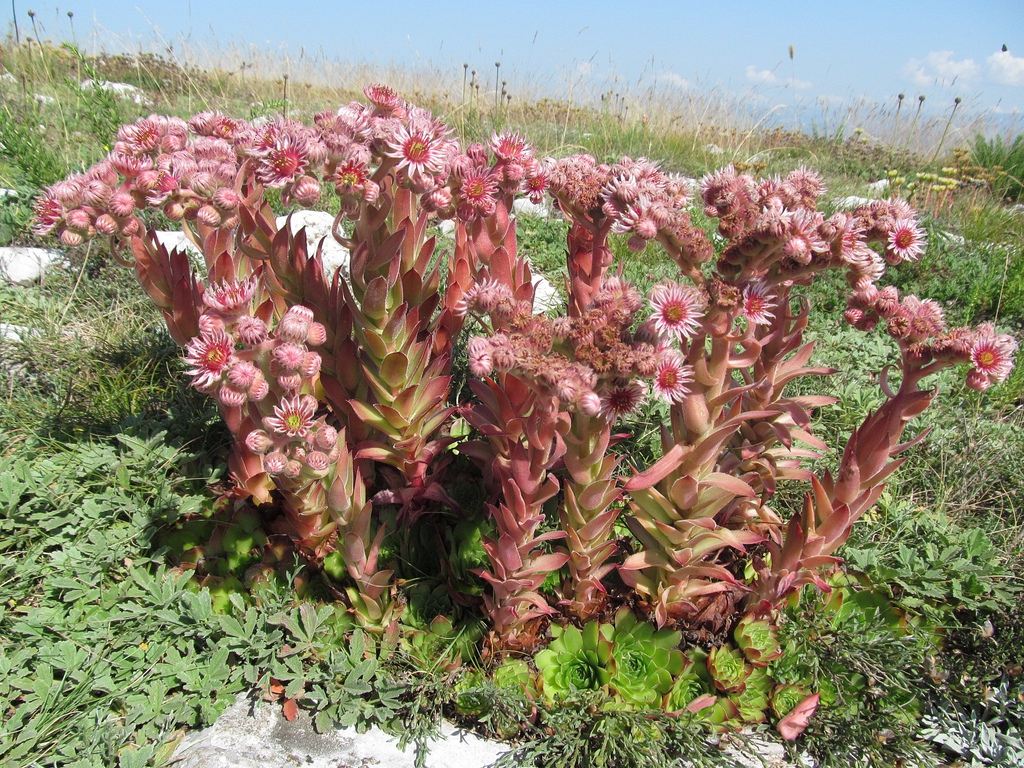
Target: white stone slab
(523, 206)
(124, 90)
(319, 225)
(852, 201)
(26, 265)
(262, 738)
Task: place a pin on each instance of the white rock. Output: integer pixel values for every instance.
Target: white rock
(545, 297)
(523, 206)
(42, 98)
(852, 201)
(8, 77)
(124, 90)
(319, 226)
(880, 187)
(264, 739)
(16, 333)
(26, 265)
(175, 238)
(713, 149)
(8, 192)
(951, 238)
(446, 227)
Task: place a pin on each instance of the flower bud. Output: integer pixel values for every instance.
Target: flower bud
(317, 335)
(231, 396)
(289, 356)
(106, 224)
(294, 326)
(590, 403)
(174, 211)
(251, 330)
(258, 389)
(79, 219)
(317, 461)
(306, 190)
(209, 216)
(326, 437)
(121, 204)
(70, 239)
(258, 441)
(243, 374)
(275, 463)
(289, 381)
(310, 365)
(226, 199)
(204, 184)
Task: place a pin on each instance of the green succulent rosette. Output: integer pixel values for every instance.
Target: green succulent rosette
(758, 640)
(785, 697)
(692, 682)
(723, 715)
(575, 660)
(515, 674)
(471, 697)
(645, 660)
(753, 702)
(728, 669)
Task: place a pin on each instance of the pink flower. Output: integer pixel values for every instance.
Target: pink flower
(418, 151)
(992, 355)
(907, 240)
(293, 417)
(383, 97)
(757, 305)
(283, 162)
(48, 213)
(142, 136)
(617, 402)
(509, 146)
(677, 309)
(230, 298)
(476, 194)
(210, 354)
(673, 377)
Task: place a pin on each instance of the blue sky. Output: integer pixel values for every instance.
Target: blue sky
(842, 50)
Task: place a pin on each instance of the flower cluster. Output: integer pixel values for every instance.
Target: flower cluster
(193, 171)
(592, 362)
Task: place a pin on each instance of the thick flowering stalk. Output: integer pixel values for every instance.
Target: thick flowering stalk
(589, 512)
(523, 440)
(371, 597)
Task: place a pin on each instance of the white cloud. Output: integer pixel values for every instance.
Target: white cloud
(678, 81)
(767, 77)
(939, 68)
(756, 75)
(1006, 68)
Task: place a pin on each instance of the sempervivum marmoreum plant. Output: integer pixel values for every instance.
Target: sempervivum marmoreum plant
(337, 390)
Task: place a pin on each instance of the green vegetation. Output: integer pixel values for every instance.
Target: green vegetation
(108, 649)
